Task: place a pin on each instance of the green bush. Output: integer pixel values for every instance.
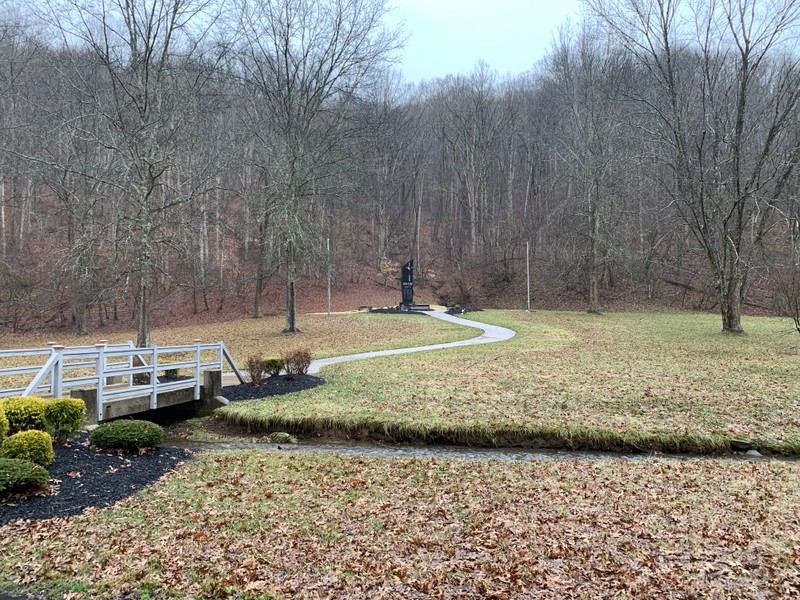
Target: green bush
(128, 434)
(273, 366)
(20, 476)
(64, 416)
(3, 423)
(24, 413)
(297, 362)
(35, 446)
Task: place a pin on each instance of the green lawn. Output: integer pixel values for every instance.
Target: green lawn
(263, 525)
(650, 381)
(257, 525)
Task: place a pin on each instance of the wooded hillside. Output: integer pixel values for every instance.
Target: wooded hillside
(175, 148)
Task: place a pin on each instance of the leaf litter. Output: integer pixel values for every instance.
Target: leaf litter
(256, 524)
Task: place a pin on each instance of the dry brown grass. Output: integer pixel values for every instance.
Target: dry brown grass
(324, 336)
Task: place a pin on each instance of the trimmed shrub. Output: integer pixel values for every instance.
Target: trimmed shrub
(130, 434)
(21, 476)
(256, 368)
(273, 366)
(24, 413)
(35, 446)
(3, 423)
(64, 416)
(297, 362)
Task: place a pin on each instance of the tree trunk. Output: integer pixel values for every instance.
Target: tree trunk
(592, 267)
(730, 297)
(261, 269)
(143, 337)
(259, 291)
(79, 316)
(291, 310)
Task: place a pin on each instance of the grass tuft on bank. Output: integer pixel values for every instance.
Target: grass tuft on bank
(668, 382)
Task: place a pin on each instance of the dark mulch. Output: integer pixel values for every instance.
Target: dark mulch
(84, 478)
(395, 311)
(272, 386)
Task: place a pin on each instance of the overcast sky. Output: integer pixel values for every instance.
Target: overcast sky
(451, 36)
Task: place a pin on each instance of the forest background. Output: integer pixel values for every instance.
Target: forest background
(166, 157)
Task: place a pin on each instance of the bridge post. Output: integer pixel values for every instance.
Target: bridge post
(52, 346)
(212, 393)
(212, 384)
(154, 379)
(89, 397)
(197, 369)
(100, 371)
(57, 374)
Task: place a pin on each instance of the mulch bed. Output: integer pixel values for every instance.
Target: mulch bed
(82, 477)
(271, 386)
(395, 311)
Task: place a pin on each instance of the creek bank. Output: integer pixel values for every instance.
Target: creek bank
(216, 434)
(560, 437)
(378, 450)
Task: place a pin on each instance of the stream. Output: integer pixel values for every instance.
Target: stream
(373, 449)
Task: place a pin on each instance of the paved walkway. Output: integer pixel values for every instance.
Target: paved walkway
(491, 334)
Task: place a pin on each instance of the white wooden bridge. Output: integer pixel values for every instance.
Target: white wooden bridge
(120, 378)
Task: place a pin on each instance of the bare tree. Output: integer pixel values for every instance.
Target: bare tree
(725, 93)
(589, 78)
(147, 53)
(305, 61)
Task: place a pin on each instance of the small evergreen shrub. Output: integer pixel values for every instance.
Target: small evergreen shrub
(256, 369)
(273, 366)
(24, 413)
(3, 423)
(64, 416)
(297, 362)
(21, 476)
(130, 434)
(35, 446)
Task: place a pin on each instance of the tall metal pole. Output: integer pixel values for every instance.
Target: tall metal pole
(528, 271)
(328, 246)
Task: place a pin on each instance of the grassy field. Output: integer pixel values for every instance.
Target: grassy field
(262, 525)
(324, 336)
(646, 381)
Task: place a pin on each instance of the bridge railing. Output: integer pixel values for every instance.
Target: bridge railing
(118, 371)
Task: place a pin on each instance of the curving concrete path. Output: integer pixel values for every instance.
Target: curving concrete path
(491, 334)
